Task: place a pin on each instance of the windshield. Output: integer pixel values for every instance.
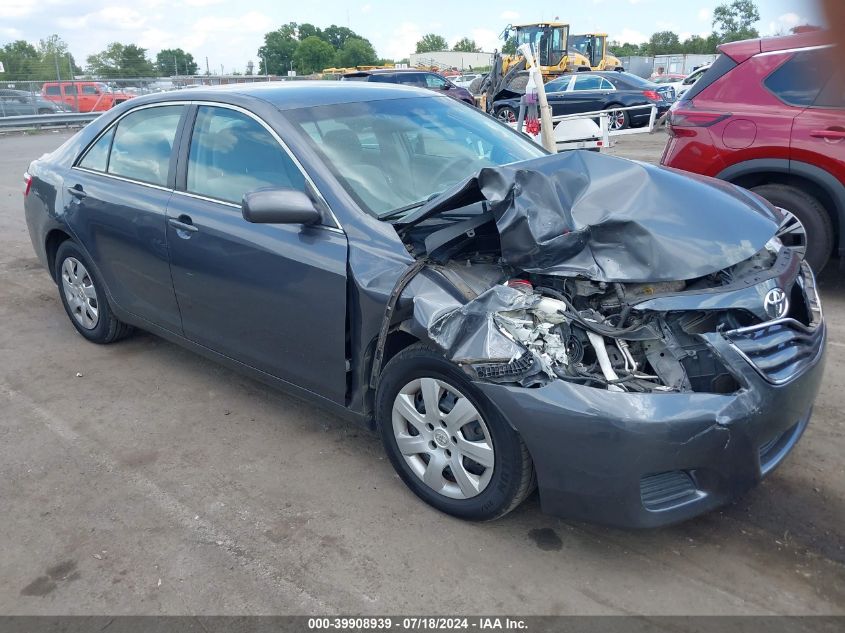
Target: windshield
(392, 155)
(549, 42)
(590, 46)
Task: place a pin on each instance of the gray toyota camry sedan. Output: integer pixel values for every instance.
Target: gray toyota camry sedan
(504, 318)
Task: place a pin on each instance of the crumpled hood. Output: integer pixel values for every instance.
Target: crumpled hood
(611, 219)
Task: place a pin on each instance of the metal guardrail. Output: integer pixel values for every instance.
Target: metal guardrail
(36, 120)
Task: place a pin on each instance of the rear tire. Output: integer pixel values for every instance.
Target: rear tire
(507, 114)
(418, 375)
(809, 212)
(84, 297)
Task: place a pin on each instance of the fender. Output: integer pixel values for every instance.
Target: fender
(820, 177)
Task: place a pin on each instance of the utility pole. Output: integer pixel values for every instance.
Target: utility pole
(207, 69)
(56, 59)
(175, 65)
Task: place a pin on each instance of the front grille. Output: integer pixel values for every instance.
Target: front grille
(667, 490)
(777, 349)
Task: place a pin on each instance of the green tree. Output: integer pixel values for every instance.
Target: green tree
(466, 45)
(509, 47)
(53, 51)
(337, 36)
(276, 56)
(696, 44)
(732, 22)
(175, 61)
(312, 55)
(625, 50)
(121, 60)
(356, 52)
(22, 61)
(431, 42)
(309, 30)
(663, 43)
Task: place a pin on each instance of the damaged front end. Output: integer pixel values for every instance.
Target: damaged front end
(657, 359)
(608, 289)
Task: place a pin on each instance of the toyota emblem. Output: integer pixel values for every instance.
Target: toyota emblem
(775, 303)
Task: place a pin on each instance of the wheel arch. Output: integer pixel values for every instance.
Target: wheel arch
(815, 181)
(54, 239)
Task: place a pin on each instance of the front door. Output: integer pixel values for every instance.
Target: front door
(118, 193)
(270, 296)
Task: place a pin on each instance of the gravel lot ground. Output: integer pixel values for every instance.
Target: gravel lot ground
(158, 482)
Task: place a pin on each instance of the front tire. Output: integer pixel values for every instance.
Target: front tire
(447, 443)
(807, 227)
(84, 298)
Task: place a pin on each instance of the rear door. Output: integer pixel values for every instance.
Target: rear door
(818, 133)
(116, 200)
(270, 296)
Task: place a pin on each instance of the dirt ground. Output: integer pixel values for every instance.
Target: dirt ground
(158, 482)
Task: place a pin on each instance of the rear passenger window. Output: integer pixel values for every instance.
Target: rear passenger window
(70, 89)
(52, 90)
(799, 80)
(232, 154)
(143, 142)
(97, 157)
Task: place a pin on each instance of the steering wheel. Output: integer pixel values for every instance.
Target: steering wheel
(444, 171)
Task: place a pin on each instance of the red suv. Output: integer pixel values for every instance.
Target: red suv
(769, 115)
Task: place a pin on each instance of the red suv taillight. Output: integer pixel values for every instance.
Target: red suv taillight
(679, 119)
(27, 180)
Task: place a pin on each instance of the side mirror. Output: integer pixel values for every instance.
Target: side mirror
(279, 206)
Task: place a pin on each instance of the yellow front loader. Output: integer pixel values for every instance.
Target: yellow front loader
(592, 48)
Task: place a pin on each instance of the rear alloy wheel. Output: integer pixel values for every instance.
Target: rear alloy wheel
(806, 226)
(617, 120)
(447, 443)
(84, 298)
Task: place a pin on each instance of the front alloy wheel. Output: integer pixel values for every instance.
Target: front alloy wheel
(450, 445)
(443, 438)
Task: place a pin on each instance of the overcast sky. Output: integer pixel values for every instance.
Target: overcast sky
(230, 33)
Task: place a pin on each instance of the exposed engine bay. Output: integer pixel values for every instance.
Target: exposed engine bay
(572, 291)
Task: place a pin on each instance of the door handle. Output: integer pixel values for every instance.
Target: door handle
(77, 192)
(183, 225)
(828, 134)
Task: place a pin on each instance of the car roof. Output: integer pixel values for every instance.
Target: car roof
(742, 50)
(287, 95)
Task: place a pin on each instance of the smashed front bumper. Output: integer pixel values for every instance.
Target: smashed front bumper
(651, 459)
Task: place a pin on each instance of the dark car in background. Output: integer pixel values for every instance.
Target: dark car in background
(594, 91)
(20, 103)
(413, 77)
(769, 115)
(504, 317)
